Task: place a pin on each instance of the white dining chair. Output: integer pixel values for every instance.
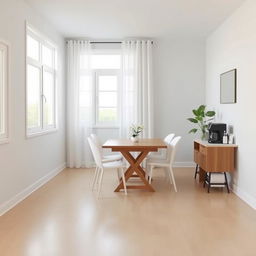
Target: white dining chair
(105, 158)
(163, 152)
(165, 163)
(101, 166)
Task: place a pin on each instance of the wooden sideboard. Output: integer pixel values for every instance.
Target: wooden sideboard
(214, 157)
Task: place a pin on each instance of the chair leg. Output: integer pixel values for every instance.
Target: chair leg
(95, 177)
(150, 173)
(124, 182)
(146, 171)
(100, 180)
(173, 180)
(169, 175)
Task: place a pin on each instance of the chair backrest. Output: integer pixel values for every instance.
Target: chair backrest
(96, 141)
(95, 152)
(169, 138)
(172, 148)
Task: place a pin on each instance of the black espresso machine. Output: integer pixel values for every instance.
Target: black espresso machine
(216, 132)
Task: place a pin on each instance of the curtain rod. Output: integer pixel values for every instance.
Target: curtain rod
(93, 42)
(117, 42)
(96, 42)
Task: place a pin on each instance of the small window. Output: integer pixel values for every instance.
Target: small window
(41, 84)
(107, 97)
(100, 88)
(48, 98)
(32, 48)
(3, 92)
(47, 56)
(33, 97)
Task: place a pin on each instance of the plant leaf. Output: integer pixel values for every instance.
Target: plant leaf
(201, 109)
(193, 130)
(193, 120)
(210, 113)
(195, 112)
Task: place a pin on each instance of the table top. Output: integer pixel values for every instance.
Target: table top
(207, 144)
(142, 143)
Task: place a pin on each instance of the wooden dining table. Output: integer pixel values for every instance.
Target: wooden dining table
(143, 147)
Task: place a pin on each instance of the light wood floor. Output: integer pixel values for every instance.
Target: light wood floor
(64, 218)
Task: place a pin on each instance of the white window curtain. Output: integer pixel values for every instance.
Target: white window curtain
(136, 96)
(79, 103)
(137, 91)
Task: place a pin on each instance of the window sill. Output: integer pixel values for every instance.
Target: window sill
(41, 133)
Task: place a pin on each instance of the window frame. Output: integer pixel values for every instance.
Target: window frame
(4, 93)
(106, 72)
(43, 41)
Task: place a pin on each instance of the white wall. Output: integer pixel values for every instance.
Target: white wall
(25, 161)
(179, 78)
(233, 45)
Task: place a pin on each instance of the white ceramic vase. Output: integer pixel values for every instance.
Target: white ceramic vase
(135, 139)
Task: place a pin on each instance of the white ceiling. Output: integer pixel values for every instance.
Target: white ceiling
(111, 19)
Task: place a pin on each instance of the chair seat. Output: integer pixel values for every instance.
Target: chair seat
(109, 158)
(115, 164)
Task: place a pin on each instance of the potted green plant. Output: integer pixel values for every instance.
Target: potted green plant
(202, 118)
(135, 131)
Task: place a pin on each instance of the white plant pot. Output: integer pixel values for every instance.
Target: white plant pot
(135, 139)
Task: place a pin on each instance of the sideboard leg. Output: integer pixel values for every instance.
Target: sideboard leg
(226, 180)
(209, 182)
(196, 171)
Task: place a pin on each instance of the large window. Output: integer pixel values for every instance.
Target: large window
(105, 88)
(3, 92)
(41, 84)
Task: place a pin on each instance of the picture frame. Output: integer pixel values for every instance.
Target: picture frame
(228, 87)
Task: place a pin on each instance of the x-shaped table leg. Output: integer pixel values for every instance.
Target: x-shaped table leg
(135, 167)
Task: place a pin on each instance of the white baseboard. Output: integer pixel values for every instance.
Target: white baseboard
(184, 164)
(247, 198)
(6, 206)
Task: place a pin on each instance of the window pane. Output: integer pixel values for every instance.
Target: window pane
(33, 96)
(107, 99)
(107, 83)
(107, 115)
(47, 56)
(48, 99)
(32, 48)
(106, 62)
